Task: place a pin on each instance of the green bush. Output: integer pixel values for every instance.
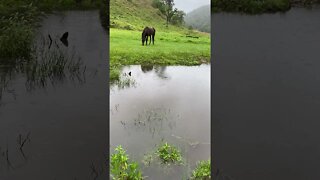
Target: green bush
(202, 171)
(17, 32)
(121, 168)
(168, 153)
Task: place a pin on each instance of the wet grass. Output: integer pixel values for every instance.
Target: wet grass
(17, 32)
(202, 171)
(44, 66)
(19, 20)
(170, 48)
(121, 168)
(168, 154)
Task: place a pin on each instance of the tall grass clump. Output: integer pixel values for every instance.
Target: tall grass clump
(123, 169)
(169, 154)
(17, 32)
(202, 171)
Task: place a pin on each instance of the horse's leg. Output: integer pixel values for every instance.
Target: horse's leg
(146, 40)
(153, 39)
(150, 40)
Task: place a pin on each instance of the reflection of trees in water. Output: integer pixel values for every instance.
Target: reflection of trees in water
(161, 71)
(45, 66)
(146, 68)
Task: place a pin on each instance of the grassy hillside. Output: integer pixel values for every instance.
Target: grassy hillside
(136, 14)
(199, 18)
(174, 45)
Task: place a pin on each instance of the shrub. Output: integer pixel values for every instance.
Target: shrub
(121, 168)
(168, 153)
(202, 171)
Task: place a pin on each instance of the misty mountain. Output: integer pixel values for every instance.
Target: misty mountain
(199, 18)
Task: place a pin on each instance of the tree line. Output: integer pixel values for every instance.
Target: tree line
(173, 15)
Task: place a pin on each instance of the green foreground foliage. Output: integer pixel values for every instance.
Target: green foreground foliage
(169, 154)
(121, 168)
(202, 171)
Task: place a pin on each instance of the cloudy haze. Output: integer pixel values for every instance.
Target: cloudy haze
(189, 5)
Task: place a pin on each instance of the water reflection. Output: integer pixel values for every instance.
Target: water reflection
(45, 65)
(61, 99)
(146, 68)
(169, 104)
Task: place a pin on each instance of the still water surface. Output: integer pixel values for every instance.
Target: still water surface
(66, 120)
(162, 104)
(266, 96)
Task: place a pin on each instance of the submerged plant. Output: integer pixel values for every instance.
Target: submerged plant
(121, 168)
(169, 154)
(202, 171)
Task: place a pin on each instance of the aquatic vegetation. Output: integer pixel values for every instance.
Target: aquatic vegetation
(169, 154)
(17, 32)
(43, 66)
(121, 168)
(202, 171)
(123, 82)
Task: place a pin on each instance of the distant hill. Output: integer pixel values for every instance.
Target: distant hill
(199, 18)
(136, 14)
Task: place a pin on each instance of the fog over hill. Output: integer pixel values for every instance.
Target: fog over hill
(189, 5)
(199, 18)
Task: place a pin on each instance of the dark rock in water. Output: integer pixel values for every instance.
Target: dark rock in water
(64, 39)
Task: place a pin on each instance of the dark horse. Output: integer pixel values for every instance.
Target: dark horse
(148, 32)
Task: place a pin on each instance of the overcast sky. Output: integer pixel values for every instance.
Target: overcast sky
(189, 5)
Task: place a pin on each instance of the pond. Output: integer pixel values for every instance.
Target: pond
(267, 95)
(55, 127)
(162, 103)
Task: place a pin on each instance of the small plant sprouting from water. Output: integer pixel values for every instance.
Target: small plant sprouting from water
(202, 171)
(169, 154)
(121, 168)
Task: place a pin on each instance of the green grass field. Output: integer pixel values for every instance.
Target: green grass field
(170, 48)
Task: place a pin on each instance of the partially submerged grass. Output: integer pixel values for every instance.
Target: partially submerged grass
(19, 19)
(121, 168)
(43, 66)
(169, 154)
(17, 32)
(202, 171)
(170, 48)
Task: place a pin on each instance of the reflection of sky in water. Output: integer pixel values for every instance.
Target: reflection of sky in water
(67, 119)
(166, 103)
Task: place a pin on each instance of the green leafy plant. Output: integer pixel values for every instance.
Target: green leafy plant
(168, 153)
(202, 171)
(121, 168)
